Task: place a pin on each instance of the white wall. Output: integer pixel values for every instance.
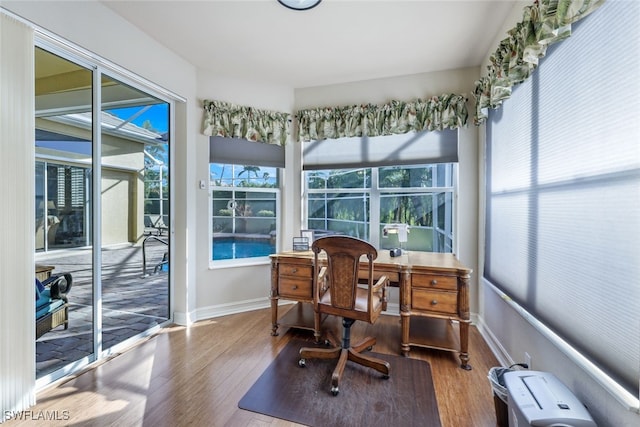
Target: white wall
(510, 335)
(223, 290)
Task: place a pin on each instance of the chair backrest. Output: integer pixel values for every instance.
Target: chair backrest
(343, 257)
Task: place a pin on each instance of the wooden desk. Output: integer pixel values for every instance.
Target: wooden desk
(434, 296)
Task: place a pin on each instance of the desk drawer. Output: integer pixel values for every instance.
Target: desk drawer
(299, 270)
(393, 277)
(295, 288)
(434, 281)
(438, 301)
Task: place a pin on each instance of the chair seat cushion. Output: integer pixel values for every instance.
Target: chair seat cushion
(45, 306)
(361, 299)
(39, 289)
(44, 303)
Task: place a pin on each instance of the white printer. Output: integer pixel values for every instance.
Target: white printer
(540, 399)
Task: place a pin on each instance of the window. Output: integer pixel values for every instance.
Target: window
(156, 185)
(358, 185)
(338, 200)
(245, 202)
(360, 202)
(563, 194)
(66, 190)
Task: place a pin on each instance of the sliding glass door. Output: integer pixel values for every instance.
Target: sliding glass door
(63, 168)
(135, 238)
(102, 163)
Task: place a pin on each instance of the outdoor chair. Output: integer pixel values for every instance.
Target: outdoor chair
(52, 304)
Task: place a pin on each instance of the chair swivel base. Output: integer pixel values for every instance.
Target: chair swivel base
(344, 353)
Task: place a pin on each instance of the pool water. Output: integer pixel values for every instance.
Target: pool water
(241, 248)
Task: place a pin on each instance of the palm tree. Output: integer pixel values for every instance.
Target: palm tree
(249, 170)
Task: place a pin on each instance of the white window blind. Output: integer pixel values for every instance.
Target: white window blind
(563, 192)
(17, 228)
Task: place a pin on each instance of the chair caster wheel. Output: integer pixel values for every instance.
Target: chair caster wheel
(385, 377)
(334, 391)
(369, 348)
(302, 363)
(327, 343)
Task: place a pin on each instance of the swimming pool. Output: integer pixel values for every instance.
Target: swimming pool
(233, 248)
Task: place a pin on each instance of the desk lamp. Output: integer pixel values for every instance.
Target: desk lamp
(402, 230)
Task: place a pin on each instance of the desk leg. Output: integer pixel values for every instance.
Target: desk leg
(273, 296)
(405, 319)
(274, 315)
(464, 345)
(463, 313)
(405, 314)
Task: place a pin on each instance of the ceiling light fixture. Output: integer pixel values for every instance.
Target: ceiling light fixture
(299, 4)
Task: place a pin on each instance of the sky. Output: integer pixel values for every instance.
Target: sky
(157, 114)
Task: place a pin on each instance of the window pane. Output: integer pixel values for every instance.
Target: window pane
(358, 178)
(429, 213)
(347, 213)
(226, 175)
(423, 176)
(406, 177)
(63, 153)
(156, 175)
(244, 207)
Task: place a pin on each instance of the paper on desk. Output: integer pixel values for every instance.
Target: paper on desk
(402, 234)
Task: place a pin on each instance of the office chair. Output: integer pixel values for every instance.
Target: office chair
(337, 292)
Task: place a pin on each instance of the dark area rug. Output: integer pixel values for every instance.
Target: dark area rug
(303, 396)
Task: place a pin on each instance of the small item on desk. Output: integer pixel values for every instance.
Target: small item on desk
(300, 243)
(395, 252)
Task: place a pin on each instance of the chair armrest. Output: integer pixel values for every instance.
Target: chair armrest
(320, 287)
(60, 285)
(382, 283)
(322, 280)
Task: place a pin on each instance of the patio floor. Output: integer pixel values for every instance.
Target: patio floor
(131, 303)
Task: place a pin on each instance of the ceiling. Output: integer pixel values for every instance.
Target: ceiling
(338, 41)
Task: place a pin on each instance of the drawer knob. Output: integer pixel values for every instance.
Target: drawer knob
(434, 302)
(294, 287)
(295, 270)
(434, 282)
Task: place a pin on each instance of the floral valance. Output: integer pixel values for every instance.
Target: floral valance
(233, 121)
(395, 117)
(545, 22)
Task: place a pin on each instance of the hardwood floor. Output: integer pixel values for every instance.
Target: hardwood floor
(196, 376)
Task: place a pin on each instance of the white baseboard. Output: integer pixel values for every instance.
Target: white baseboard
(181, 318)
(213, 311)
(494, 345)
(204, 313)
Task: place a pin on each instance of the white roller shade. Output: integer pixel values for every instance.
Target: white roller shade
(242, 152)
(563, 192)
(405, 149)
